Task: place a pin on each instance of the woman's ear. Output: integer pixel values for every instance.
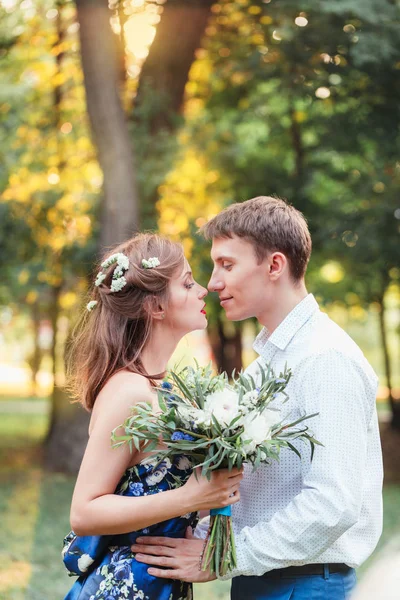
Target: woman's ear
(159, 315)
(154, 309)
(277, 265)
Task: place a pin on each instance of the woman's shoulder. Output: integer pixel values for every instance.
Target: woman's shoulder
(121, 392)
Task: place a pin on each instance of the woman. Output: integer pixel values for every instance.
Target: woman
(145, 301)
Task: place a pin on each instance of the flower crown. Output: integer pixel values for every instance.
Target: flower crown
(118, 280)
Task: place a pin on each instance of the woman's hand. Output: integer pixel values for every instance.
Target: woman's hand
(222, 489)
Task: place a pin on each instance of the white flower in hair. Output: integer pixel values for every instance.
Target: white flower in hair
(118, 284)
(90, 305)
(100, 278)
(119, 258)
(151, 263)
(118, 280)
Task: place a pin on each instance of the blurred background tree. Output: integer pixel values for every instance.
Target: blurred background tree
(122, 115)
(219, 102)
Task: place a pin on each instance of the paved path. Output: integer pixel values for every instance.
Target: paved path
(382, 579)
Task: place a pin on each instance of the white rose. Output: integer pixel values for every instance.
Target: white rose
(84, 562)
(257, 427)
(223, 405)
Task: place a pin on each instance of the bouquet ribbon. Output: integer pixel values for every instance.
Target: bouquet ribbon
(226, 511)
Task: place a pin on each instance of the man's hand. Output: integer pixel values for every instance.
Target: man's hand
(181, 557)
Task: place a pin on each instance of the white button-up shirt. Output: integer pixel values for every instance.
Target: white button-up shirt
(329, 510)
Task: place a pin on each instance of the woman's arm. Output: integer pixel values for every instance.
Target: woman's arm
(96, 510)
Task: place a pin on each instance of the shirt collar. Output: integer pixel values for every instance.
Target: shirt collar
(286, 330)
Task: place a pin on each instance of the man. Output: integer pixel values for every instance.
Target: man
(301, 527)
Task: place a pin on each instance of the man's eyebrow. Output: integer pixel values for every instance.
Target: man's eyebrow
(223, 257)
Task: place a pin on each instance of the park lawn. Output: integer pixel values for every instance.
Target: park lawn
(34, 508)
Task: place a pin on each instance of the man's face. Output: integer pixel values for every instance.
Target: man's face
(242, 284)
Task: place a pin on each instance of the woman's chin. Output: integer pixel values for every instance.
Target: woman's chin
(200, 324)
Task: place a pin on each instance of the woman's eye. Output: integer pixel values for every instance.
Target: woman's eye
(188, 286)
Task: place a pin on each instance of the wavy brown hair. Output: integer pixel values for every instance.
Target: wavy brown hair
(112, 336)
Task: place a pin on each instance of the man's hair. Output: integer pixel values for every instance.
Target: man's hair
(270, 225)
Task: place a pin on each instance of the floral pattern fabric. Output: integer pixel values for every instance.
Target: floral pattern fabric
(106, 566)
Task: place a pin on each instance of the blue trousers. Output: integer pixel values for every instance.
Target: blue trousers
(332, 586)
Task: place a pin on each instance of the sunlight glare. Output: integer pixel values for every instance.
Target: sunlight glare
(139, 34)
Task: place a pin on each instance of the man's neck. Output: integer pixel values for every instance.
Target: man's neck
(285, 301)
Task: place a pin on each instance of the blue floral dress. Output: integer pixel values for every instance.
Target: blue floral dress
(106, 566)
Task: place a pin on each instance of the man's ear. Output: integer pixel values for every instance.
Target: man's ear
(277, 265)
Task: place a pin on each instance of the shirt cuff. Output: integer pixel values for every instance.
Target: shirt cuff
(201, 529)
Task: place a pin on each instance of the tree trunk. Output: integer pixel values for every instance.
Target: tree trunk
(395, 406)
(226, 346)
(101, 69)
(68, 434)
(160, 96)
(166, 70)
(36, 357)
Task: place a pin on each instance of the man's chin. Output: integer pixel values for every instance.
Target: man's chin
(234, 315)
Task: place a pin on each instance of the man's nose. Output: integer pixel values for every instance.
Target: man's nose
(215, 284)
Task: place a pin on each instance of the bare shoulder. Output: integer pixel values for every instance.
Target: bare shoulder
(121, 392)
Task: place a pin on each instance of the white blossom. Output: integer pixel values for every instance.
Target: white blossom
(119, 258)
(224, 405)
(118, 281)
(100, 278)
(187, 415)
(151, 263)
(257, 428)
(250, 397)
(118, 284)
(90, 305)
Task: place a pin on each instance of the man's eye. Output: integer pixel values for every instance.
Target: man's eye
(226, 266)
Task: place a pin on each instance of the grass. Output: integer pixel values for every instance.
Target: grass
(34, 508)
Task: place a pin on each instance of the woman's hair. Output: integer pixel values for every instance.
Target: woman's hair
(270, 225)
(112, 336)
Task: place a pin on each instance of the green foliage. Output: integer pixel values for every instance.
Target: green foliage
(49, 178)
(302, 102)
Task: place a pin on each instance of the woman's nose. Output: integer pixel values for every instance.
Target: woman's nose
(202, 292)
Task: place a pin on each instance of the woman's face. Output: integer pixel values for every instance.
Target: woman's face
(186, 307)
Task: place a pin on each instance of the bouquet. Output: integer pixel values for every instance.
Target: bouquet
(218, 424)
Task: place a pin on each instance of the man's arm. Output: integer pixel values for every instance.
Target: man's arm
(330, 500)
